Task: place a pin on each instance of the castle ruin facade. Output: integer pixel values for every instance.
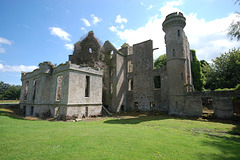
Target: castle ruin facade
(97, 77)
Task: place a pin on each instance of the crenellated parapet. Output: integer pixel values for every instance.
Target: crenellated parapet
(174, 19)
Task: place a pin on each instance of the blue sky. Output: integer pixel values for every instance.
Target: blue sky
(33, 31)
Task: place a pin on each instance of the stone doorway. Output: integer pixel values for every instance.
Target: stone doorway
(207, 106)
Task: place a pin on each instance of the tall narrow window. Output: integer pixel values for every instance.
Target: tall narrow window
(87, 86)
(111, 54)
(157, 82)
(130, 66)
(182, 76)
(26, 91)
(90, 50)
(111, 88)
(31, 110)
(173, 53)
(178, 33)
(130, 85)
(59, 88)
(34, 89)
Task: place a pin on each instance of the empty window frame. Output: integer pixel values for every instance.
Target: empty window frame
(31, 110)
(136, 105)
(130, 85)
(111, 88)
(182, 77)
(59, 88)
(90, 50)
(111, 54)
(173, 53)
(130, 66)
(152, 104)
(87, 86)
(26, 90)
(34, 89)
(157, 82)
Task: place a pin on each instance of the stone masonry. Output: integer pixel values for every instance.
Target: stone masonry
(121, 80)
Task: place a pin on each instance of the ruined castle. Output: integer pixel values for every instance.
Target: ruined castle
(103, 77)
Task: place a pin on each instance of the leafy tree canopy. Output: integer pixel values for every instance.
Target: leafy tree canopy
(161, 61)
(225, 71)
(9, 92)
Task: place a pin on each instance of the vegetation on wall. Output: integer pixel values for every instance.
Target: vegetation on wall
(198, 77)
(9, 92)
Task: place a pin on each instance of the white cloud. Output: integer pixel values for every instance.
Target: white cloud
(142, 3)
(69, 46)
(119, 19)
(86, 22)
(5, 41)
(9, 68)
(95, 19)
(122, 26)
(150, 7)
(56, 31)
(169, 7)
(208, 38)
(112, 28)
(2, 50)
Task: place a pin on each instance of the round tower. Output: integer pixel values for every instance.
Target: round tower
(178, 60)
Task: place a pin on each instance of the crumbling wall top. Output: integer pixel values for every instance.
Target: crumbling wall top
(174, 19)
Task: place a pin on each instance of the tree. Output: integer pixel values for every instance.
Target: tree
(234, 28)
(9, 92)
(225, 71)
(161, 61)
(198, 77)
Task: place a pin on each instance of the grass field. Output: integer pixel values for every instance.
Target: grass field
(9, 101)
(123, 137)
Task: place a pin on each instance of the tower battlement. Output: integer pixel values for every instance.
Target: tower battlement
(174, 19)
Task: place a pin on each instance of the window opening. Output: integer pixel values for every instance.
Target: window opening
(136, 105)
(59, 88)
(174, 53)
(122, 108)
(111, 54)
(86, 111)
(87, 86)
(236, 106)
(24, 110)
(34, 89)
(157, 82)
(32, 110)
(26, 91)
(111, 88)
(152, 104)
(207, 106)
(182, 76)
(130, 85)
(178, 33)
(130, 66)
(90, 50)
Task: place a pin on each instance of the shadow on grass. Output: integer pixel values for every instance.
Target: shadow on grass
(229, 149)
(136, 118)
(12, 111)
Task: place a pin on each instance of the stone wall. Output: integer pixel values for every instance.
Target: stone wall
(70, 98)
(221, 101)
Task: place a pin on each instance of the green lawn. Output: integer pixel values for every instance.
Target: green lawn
(132, 137)
(9, 101)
